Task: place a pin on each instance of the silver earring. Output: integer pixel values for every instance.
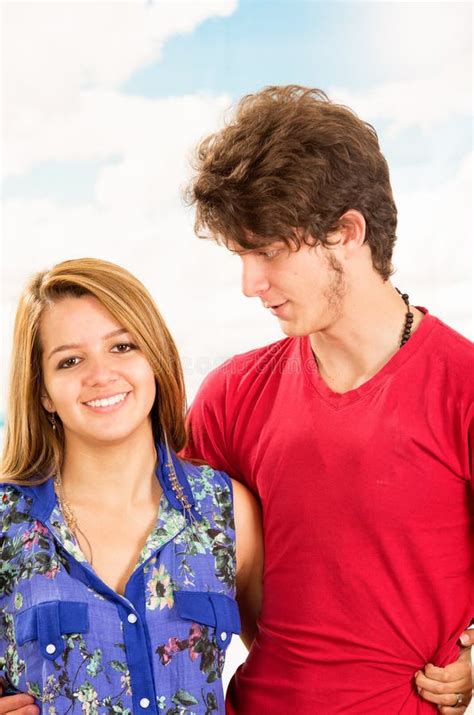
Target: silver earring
(53, 421)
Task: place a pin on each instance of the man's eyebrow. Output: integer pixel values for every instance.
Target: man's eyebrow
(240, 252)
(73, 346)
(245, 251)
(277, 244)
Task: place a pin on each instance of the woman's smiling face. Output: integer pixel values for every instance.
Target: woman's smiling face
(95, 377)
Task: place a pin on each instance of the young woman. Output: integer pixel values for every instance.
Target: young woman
(119, 569)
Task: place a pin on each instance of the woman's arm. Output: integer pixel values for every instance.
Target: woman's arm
(249, 547)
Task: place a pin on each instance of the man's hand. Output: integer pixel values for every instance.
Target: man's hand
(443, 685)
(17, 704)
(467, 638)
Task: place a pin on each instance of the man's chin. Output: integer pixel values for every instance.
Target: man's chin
(291, 329)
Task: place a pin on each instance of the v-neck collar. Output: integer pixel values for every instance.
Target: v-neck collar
(168, 524)
(340, 400)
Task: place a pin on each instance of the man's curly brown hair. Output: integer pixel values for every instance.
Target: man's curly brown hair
(287, 167)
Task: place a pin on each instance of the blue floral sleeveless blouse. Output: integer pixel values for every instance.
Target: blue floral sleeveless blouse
(78, 647)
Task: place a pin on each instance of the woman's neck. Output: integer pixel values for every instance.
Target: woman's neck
(121, 472)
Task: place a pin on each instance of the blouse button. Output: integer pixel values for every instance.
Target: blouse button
(144, 703)
(223, 635)
(50, 648)
(131, 618)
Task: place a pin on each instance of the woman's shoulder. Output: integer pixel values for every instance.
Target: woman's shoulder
(211, 488)
(200, 474)
(14, 507)
(204, 479)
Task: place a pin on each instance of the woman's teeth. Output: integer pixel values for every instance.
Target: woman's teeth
(106, 402)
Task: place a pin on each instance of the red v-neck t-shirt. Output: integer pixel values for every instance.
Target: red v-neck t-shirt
(367, 514)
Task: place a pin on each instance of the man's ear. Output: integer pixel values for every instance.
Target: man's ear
(352, 229)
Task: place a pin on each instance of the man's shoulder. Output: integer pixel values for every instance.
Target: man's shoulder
(254, 361)
(453, 346)
(451, 355)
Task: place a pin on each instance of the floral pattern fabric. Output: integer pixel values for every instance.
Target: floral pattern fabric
(78, 647)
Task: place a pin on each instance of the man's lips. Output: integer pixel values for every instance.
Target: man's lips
(267, 304)
(276, 308)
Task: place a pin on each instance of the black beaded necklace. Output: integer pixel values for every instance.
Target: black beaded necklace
(408, 319)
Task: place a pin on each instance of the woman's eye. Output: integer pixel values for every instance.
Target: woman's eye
(70, 362)
(124, 347)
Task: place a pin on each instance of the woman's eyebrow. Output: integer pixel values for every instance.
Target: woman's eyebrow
(71, 346)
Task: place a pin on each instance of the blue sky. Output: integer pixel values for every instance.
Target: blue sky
(286, 41)
(324, 44)
(264, 42)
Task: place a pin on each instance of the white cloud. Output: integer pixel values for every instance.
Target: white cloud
(418, 38)
(137, 201)
(55, 54)
(435, 226)
(424, 52)
(434, 248)
(156, 141)
(148, 138)
(421, 102)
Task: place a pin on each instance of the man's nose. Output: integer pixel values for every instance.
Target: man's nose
(254, 279)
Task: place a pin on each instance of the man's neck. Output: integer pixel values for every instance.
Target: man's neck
(359, 343)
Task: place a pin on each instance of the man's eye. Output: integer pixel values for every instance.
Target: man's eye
(272, 253)
(70, 362)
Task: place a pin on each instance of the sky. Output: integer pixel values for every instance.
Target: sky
(103, 104)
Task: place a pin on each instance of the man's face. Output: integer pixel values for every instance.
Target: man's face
(303, 288)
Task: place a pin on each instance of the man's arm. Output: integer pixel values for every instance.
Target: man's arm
(249, 545)
(208, 425)
(443, 685)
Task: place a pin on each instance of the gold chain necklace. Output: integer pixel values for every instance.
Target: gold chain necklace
(69, 516)
(71, 519)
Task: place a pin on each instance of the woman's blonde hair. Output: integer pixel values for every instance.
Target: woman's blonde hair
(33, 451)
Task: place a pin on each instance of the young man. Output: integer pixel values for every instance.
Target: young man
(355, 431)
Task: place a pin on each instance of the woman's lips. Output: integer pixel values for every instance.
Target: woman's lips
(106, 408)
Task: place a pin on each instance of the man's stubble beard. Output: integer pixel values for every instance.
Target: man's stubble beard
(336, 289)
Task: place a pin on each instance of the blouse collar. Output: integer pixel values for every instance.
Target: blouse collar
(168, 465)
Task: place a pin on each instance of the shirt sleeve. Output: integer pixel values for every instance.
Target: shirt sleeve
(470, 445)
(208, 427)
(3, 652)
(7, 654)
(471, 449)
